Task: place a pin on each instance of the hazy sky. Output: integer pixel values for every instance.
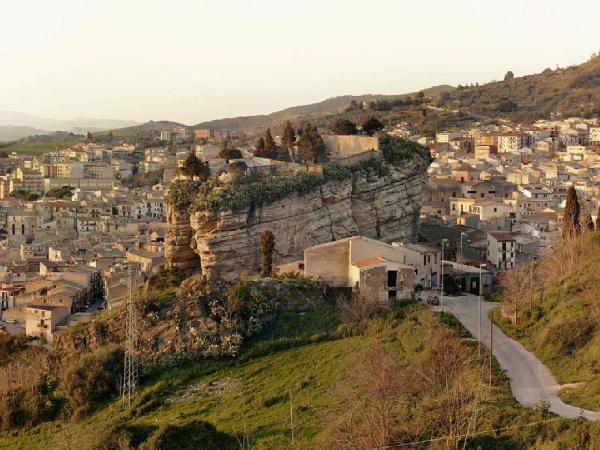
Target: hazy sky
(193, 60)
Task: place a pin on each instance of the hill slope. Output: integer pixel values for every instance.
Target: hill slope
(79, 124)
(333, 105)
(572, 91)
(12, 132)
(562, 327)
(301, 361)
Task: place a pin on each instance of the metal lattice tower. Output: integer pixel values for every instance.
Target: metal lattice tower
(130, 367)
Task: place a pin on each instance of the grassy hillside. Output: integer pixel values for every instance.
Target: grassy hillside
(305, 355)
(571, 91)
(563, 326)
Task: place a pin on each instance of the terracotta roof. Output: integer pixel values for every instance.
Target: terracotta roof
(369, 261)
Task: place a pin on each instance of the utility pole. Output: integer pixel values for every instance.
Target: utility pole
(130, 366)
(442, 278)
(462, 254)
(292, 417)
(491, 348)
(531, 286)
(481, 266)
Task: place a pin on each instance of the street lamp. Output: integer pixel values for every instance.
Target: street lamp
(462, 255)
(442, 277)
(481, 266)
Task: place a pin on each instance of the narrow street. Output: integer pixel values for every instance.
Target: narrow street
(531, 381)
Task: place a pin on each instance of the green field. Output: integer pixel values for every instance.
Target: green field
(37, 148)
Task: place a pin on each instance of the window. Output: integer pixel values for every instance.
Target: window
(392, 295)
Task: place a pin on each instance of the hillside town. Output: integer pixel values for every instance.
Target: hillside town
(77, 222)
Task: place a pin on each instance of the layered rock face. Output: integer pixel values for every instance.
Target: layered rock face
(381, 207)
(179, 238)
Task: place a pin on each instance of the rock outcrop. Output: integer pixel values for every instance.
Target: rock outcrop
(383, 207)
(179, 238)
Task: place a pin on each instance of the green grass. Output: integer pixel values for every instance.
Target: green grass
(297, 354)
(561, 329)
(37, 148)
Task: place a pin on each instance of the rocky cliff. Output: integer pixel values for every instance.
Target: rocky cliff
(379, 206)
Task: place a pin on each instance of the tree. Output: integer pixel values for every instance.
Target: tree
(289, 139)
(514, 282)
(61, 192)
(229, 153)
(259, 147)
(267, 245)
(344, 127)
(311, 145)
(270, 146)
(371, 126)
(237, 169)
(571, 224)
(588, 222)
(194, 167)
(509, 75)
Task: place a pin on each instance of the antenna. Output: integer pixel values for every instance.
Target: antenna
(130, 366)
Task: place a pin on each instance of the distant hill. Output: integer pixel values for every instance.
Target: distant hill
(332, 105)
(13, 133)
(571, 91)
(78, 125)
(143, 131)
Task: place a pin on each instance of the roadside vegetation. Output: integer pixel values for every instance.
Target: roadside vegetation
(553, 308)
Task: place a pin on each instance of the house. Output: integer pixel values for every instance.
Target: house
(148, 262)
(41, 320)
(501, 249)
(464, 173)
(374, 267)
(424, 259)
(8, 292)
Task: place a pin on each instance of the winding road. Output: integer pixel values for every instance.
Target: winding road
(530, 380)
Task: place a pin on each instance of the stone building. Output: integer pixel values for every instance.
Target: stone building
(374, 267)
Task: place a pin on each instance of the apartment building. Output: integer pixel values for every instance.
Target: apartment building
(501, 250)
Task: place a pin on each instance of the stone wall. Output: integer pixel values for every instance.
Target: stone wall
(381, 207)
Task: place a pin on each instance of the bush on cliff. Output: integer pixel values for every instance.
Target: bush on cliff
(214, 197)
(181, 194)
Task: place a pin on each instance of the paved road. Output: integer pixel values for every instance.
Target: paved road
(530, 380)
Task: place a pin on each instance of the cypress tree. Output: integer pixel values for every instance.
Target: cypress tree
(269, 142)
(289, 139)
(571, 225)
(259, 148)
(267, 245)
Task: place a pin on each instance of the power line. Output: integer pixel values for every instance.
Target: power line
(130, 366)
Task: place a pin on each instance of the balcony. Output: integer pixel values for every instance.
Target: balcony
(42, 326)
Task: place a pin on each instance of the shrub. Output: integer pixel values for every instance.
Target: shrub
(93, 378)
(181, 194)
(192, 435)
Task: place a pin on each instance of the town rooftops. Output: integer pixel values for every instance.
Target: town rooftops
(502, 236)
